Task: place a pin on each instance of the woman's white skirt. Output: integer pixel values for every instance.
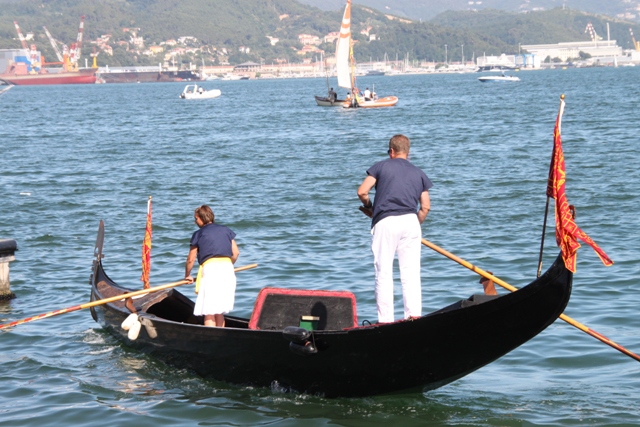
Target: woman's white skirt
(217, 289)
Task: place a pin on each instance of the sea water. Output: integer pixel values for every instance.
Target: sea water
(283, 174)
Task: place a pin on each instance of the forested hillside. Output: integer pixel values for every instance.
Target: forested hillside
(238, 31)
(211, 21)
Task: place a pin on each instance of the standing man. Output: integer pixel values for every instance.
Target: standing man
(395, 226)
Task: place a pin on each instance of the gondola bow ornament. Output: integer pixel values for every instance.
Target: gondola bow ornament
(567, 232)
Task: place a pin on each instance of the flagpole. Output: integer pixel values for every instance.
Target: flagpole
(544, 231)
(546, 209)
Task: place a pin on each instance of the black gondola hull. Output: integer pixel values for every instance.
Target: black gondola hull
(425, 353)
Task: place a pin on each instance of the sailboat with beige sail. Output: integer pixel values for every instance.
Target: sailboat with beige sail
(346, 65)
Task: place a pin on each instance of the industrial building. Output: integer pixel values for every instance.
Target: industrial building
(571, 50)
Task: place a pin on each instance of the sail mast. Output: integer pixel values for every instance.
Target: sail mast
(352, 64)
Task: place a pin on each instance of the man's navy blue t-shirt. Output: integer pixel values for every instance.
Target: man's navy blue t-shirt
(399, 185)
(213, 240)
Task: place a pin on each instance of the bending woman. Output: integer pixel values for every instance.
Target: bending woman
(216, 250)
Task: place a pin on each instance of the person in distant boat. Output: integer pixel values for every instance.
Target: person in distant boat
(395, 227)
(332, 95)
(351, 99)
(367, 94)
(215, 247)
(355, 97)
(200, 90)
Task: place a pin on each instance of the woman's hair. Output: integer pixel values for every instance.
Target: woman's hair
(205, 213)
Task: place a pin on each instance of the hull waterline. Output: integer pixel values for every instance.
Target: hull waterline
(80, 77)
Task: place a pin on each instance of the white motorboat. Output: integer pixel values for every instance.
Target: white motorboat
(501, 78)
(198, 92)
(230, 76)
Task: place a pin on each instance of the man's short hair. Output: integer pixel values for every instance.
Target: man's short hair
(400, 143)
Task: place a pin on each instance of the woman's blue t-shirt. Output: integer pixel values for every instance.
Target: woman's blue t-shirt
(213, 240)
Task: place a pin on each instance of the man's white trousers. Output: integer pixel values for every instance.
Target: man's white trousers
(397, 235)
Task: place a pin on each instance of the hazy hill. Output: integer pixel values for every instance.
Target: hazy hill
(428, 9)
(224, 25)
(552, 26)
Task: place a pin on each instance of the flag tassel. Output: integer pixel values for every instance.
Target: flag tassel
(146, 249)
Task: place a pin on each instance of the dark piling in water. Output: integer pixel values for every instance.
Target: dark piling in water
(8, 248)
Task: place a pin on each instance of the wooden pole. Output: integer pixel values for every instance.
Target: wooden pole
(108, 300)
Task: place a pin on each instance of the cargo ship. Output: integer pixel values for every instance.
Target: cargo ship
(143, 74)
(27, 66)
(24, 67)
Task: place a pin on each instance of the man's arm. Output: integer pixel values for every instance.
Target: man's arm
(425, 206)
(363, 191)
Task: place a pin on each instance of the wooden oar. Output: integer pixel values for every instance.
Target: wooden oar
(108, 300)
(507, 286)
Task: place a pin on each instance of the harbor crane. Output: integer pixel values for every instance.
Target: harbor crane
(79, 39)
(20, 36)
(34, 58)
(636, 45)
(54, 45)
(69, 56)
(592, 33)
(76, 48)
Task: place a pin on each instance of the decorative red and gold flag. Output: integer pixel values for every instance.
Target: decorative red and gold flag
(146, 249)
(567, 232)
